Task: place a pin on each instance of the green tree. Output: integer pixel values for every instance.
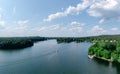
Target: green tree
(109, 46)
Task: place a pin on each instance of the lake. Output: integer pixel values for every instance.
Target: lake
(49, 57)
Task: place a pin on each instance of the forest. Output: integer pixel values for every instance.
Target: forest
(88, 39)
(9, 43)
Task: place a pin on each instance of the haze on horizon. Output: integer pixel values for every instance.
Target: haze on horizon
(59, 18)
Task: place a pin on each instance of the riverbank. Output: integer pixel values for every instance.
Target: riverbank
(102, 58)
(91, 56)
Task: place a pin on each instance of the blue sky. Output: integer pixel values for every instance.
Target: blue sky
(69, 18)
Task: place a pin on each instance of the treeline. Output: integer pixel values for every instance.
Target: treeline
(88, 39)
(75, 39)
(37, 38)
(22, 42)
(109, 50)
(18, 42)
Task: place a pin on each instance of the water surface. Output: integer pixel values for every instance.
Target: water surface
(48, 57)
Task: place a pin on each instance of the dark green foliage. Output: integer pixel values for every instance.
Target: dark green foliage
(70, 39)
(106, 54)
(37, 38)
(15, 43)
(108, 50)
(66, 40)
(105, 38)
(109, 46)
(18, 42)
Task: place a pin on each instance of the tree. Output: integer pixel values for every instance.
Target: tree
(109, 46)
(106, 54)
(114, 57)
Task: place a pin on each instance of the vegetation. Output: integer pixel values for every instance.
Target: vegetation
(18, 42)
(109, 50)
(15, 43)
(88, 39)
(36, 38)
(72, 39)
(105, 47)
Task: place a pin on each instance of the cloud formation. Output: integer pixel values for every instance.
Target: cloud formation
(75, 23)
(114, 29)
(104, 9)
(69, 10)
(97, 28)
(23, 22)
(2, 23)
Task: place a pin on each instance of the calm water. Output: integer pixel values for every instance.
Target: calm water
(48, 57)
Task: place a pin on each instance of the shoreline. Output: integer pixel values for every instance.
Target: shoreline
(102, 58)
(91, 56)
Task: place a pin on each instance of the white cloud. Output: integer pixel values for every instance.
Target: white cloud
(76, 26)
(76, 29)
(106, 9)
(22, 23)
(55, 27)
(114, 29)
(40, 29)
(103, 9)
(2, 23)
(102, 21)
(54, 16)
(97, 28)
(17, 28)
(75, 23)
(58, 30)
(52, 27)
(14, 31)
(73, 27)
(69, 10)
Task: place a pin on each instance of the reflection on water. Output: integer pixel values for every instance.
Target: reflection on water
(117, 66)
(48, 57)
(102, 62)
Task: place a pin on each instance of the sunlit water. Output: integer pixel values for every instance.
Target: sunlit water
(48, 57)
